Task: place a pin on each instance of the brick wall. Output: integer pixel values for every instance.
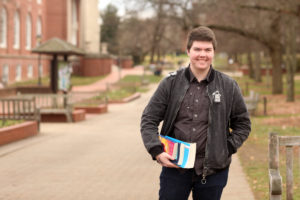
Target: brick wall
(24, 8)
(56, 19)
(18, 132)
(12, 57)
(24, 62)
(126, 63)
(94, 65)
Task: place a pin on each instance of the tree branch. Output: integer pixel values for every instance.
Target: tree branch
(276, 10)
(241, 32)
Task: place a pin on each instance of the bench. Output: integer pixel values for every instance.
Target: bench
(251, 102)
(275, 179)
(53, 104)
(19, 108)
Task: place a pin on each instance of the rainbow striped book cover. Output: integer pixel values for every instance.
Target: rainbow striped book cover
(184, 153)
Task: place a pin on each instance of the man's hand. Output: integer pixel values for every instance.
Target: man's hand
(164, 160)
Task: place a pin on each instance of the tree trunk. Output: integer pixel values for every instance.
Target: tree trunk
(268, 69)
(257, 73)
(152, 55)
(250, 65)
(236, 58)
(276, 57)
(290, 61)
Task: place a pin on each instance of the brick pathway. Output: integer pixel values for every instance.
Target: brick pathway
(102, 158)
(111, 78)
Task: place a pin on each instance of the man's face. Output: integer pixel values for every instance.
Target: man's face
(201, 55)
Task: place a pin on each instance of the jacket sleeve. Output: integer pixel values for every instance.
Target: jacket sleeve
(152, 115)
(240, 123)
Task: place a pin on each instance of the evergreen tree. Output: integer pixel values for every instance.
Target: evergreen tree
(109, 28)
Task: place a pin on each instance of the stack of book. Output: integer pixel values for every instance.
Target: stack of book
(184, 153)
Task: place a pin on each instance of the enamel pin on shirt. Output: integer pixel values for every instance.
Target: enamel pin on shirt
(217, 96)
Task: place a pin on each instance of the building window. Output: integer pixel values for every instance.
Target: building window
(17, 30)
(5, 74)
(18, 73)
(39, 31)
(28, 32)
(29, 71)
(3, 28)
(74, 23)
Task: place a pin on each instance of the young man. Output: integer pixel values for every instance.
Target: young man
(196, 104)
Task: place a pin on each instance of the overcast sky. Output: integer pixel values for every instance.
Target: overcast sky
(118, 3)
(121, 7)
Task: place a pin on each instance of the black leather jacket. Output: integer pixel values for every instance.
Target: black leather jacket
(229, 122)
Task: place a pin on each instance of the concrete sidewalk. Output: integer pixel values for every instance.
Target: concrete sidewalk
(102, 158)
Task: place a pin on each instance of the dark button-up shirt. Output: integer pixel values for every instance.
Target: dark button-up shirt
(192, 120)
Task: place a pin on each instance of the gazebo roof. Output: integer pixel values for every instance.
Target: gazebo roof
(58, 46)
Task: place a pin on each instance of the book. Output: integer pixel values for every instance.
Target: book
(184, 153)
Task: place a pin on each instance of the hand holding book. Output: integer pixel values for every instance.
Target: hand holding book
(166, 160)
(183, 153)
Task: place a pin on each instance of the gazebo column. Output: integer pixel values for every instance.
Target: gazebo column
(54, 74)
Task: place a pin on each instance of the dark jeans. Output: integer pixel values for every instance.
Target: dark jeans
(177, 185)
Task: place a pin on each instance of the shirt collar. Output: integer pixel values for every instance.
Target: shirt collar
(192, 77)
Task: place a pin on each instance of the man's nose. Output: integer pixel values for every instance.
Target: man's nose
(202, 53)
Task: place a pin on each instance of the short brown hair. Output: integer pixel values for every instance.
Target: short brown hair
(201, 33)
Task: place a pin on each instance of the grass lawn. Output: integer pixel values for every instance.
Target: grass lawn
(82, 80)
(75, 81)
(9, 123)
(283, 118)
(45, 81)
(126, 87)
(131, 84)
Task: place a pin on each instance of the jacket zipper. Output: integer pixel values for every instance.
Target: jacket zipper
(205, 167)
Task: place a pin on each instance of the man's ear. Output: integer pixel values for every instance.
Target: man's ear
(187, 51)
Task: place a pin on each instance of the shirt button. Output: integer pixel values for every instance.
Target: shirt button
(188, 107)
(194, 129)
(196, 100)
(195, 115)
(191, 93)
(198, 88)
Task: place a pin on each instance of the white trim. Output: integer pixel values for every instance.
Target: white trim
(5, 74)
(28, 32)
(18, 76)
(74, 23)
(3, 28)
(17, 30)
(29, 71)
(39, 29)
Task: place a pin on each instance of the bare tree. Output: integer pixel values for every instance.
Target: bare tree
(134, 35)
(235, 17)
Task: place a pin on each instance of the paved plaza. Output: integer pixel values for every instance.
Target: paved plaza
(101, 158)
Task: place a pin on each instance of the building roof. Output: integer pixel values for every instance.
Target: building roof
(58, 46)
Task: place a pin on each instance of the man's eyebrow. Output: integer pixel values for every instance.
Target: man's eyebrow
(203, 47)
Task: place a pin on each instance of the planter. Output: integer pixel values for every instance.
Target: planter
(18, 131)
(94, 109)
(77, 115)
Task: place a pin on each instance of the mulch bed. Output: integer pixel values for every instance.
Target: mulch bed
(283, 113)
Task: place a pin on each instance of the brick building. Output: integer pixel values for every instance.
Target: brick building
(25, 23)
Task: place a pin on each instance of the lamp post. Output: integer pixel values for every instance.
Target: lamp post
(38, 41)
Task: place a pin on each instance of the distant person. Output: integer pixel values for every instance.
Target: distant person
(202, 105)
